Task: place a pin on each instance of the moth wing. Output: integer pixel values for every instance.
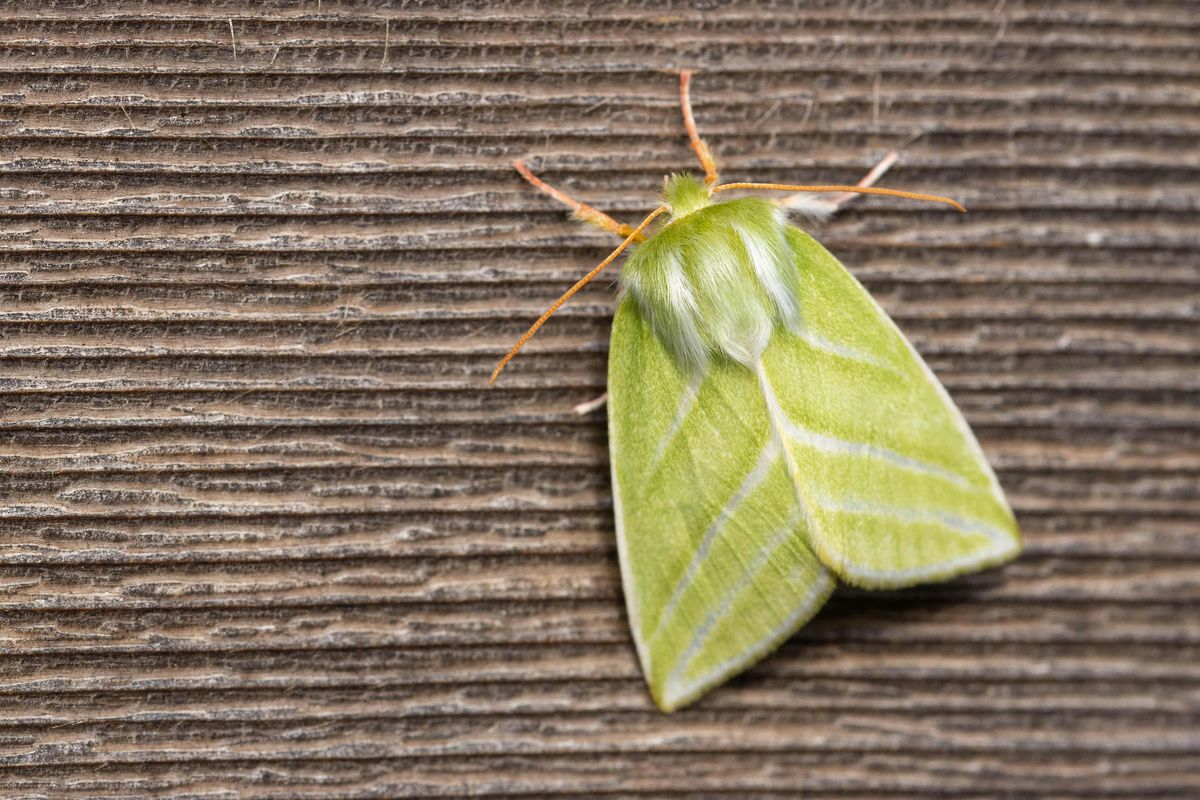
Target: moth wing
(714, 552)
(895, 488)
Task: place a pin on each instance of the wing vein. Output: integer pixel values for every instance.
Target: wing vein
(686, 402)
(822, 587)
(833, 444)
(779, 423)
(917, 516)
(826, 345)
(756, 476)
(749, 571)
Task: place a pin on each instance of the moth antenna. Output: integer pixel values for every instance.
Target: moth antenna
(567, 295)
(699, 147)
(870, 179)
(933, 198)
(583, 211)
(822, 209)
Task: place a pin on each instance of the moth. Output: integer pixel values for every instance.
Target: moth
(771, 431)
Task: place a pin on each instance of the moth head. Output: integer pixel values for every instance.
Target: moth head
(684, 194)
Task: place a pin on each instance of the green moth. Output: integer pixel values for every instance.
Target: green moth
(771, 432)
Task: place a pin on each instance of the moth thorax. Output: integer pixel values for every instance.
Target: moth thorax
(716, 282)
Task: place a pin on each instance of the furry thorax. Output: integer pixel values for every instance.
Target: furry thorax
(718, 278)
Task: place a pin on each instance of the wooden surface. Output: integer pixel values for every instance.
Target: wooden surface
(265, 534)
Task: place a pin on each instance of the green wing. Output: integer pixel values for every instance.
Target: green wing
(714, 557)
(741, 493)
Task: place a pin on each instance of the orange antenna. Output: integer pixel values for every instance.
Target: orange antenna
(933, 198)
(634, 234)
(698, 145)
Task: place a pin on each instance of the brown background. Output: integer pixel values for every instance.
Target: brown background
(265, 534)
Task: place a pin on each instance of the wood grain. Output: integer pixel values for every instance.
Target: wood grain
(265, 534)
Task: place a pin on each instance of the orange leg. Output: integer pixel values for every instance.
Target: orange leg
(582, 211)
(630, 239)
(698, 145)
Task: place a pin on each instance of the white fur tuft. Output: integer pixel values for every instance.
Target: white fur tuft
(769, 259)
(809, 205)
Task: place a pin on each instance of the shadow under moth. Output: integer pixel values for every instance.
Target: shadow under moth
(771, 430)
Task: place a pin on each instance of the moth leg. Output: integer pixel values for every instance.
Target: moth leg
(877, 172)
(699, 147)
(591, 405)
(825, 207)
(582, 211)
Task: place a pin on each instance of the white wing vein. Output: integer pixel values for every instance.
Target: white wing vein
(749, 571)
(751, 482)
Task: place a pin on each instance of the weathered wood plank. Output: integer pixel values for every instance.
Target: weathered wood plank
(265, 533)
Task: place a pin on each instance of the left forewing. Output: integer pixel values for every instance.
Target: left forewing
(713, 542)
